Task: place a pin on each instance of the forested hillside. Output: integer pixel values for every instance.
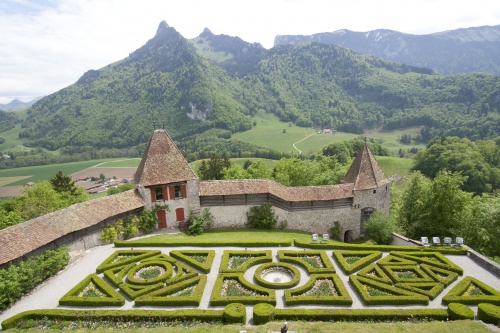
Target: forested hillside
(202, 100)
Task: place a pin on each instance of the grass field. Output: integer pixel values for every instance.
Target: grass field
(392, 165)
(269, 133)
(45, 172)
(229, 235)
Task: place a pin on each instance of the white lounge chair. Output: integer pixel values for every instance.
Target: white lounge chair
(447, 241)
(459, 241)
(326, 237)
(314, 237)
(424, 241)
(436, 241)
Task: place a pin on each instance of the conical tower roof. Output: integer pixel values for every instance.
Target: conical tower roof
(365, 173)
(162, 163)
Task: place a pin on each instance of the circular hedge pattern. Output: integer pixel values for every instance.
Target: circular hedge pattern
(134, 272)
(283, 266)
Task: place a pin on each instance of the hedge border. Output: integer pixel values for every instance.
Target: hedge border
(193, 242)
(489, 313)
(401, 296)
(435, 288)
(291, 257)
(393, 260)
(157, 298)
(259, 257)
(134, 291)
(139, 255)
(457, 311)
(390, 271)
(204, 267)
(65, 314)
(433, 270)
(444, 262)
(113, 298)
(455, 294)
(283, 285)
(381, 275)
(268, 295)
(383, 248)
(117, 279)
(161, 278)
(369, 258)
(264, 313)
(343, 298)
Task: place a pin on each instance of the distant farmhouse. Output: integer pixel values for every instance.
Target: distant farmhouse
(165, 178)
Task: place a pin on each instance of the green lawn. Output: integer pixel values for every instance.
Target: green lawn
(227, 235)
(120, 163)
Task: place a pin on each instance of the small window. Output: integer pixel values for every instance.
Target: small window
(177, 192)
(158, 194)
(374, 191)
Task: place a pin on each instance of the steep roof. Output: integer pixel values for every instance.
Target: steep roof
(162, 163)
(365, 173)
(264, 186)
(28, 236)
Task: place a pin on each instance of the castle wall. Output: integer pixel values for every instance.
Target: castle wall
(317, 221)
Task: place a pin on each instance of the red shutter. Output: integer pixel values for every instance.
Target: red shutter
(172, 195)
(153, 194)
(165, 193)
(179, 214)
(183, 189)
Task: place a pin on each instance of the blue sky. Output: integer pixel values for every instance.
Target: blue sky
(46, 45)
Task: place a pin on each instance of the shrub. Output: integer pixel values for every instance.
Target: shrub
(458, 311)
(19, 279)
(235, 313)
(147, 220)
(379, 228)
(263, 313)
(336, 230)
(262, 217)
(489, 313)
(200, 222)
(109, 234)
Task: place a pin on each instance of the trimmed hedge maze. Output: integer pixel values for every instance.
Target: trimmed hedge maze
(255, 277)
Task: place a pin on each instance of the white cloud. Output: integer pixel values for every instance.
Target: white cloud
(47, 45)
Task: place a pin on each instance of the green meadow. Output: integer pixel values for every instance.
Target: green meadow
(272, 133)
(45, 172)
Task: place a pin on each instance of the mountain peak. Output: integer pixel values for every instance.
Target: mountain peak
(206, 33)
(163, 26)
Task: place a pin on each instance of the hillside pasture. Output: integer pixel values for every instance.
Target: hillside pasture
(272, 133)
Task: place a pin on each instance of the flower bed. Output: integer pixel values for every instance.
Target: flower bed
(125, 257)
(314, 262)
(349, 265)
(92, 291)
(320, 289)
(241, 261)
(199, 259)
(480, 292)
(233, 288)
(187, 292)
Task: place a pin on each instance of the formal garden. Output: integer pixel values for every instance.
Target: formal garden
(151, 282)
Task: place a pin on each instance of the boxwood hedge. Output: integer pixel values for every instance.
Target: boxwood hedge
(74, 297)
(459, 293)
(489, 313)
(293, 297)
(264, 295)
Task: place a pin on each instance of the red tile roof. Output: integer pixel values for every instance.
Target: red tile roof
(162, 163)
(365, 173)
(21, 239)
(264, 186)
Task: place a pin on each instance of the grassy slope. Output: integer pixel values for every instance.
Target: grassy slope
(269, 133)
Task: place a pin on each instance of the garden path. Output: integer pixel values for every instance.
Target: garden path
(47, 295)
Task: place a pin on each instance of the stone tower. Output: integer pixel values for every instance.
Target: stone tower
(164, 178)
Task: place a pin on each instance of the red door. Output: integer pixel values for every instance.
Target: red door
(162, 219)
(179, 214)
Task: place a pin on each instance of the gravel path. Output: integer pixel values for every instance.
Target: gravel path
(47, 295)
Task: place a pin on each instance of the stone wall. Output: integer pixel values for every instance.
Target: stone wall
(315, 221)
